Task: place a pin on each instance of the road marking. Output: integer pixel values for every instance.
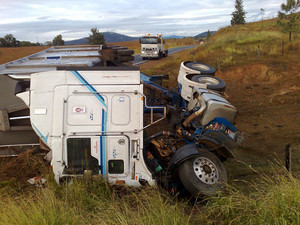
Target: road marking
(143, 61)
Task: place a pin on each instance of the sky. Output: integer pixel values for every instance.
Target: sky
(41, 21)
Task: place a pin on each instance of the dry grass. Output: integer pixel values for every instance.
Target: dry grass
(10, 54)
(272, 199)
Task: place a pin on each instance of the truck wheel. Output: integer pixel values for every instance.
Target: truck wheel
(203, 175)
(213, 83)
(201, 67)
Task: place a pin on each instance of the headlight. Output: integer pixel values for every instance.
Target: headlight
(155, 52)
(143, 52)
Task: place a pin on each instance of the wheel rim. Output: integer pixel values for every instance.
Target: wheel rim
(205, 170)
(200, 67)
(207, 80)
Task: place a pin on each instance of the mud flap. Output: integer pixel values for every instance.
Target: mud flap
(184, 153)
(217, 146)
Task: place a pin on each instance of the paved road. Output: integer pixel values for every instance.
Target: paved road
(138, 59)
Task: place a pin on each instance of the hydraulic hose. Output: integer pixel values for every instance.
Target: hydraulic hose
(196, 114)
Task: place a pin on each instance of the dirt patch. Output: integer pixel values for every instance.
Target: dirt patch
(23, 167)
(268, 99)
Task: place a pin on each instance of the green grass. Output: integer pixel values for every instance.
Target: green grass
(92, 203)
(237, 45)
(272, 200)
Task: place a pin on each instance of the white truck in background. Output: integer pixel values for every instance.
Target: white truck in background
(153, 47)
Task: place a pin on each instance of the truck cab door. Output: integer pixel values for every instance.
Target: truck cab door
(105, 154)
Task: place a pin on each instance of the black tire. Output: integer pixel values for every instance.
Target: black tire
(166, 53)
(203, 174)
(213, 83)
(144, 58)
(159, 55)
(126, 52)
(126, 58)
(201, 67)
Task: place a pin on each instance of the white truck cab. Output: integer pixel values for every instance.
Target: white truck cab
(153, 47)
(91, 120)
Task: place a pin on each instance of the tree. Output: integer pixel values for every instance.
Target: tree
(58, 40)
(288, 18)
(208, 34)
(48, 43)
(238, 15)
(9, 41)
(3, 43)
(96, 38)
(28, 43)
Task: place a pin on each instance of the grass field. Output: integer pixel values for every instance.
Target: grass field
(10, 54)
(269, 200)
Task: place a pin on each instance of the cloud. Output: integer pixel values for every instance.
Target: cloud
(44, 18)
(30, 19)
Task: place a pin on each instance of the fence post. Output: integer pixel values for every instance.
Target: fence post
(288, 158)
(219, 66)
(258, 52)
(282, 47)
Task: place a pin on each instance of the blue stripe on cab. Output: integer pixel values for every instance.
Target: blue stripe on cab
(90, 87)
(103, 122)
(104, 114)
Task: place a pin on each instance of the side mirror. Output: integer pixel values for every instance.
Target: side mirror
(164, 42)
(159, 41)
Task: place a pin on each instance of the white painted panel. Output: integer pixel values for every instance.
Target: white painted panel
(84, 110)
(120, 113)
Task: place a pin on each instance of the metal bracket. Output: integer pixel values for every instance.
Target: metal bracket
(4, 120)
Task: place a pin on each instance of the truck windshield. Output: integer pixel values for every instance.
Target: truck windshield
(147, 40)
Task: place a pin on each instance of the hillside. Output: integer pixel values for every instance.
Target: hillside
(261, 69)
(109, 37)
(204, 34)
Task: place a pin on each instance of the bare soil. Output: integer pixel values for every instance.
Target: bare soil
(267, 95)
(268, 99)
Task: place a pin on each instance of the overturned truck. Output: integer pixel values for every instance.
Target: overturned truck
(93, 119)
